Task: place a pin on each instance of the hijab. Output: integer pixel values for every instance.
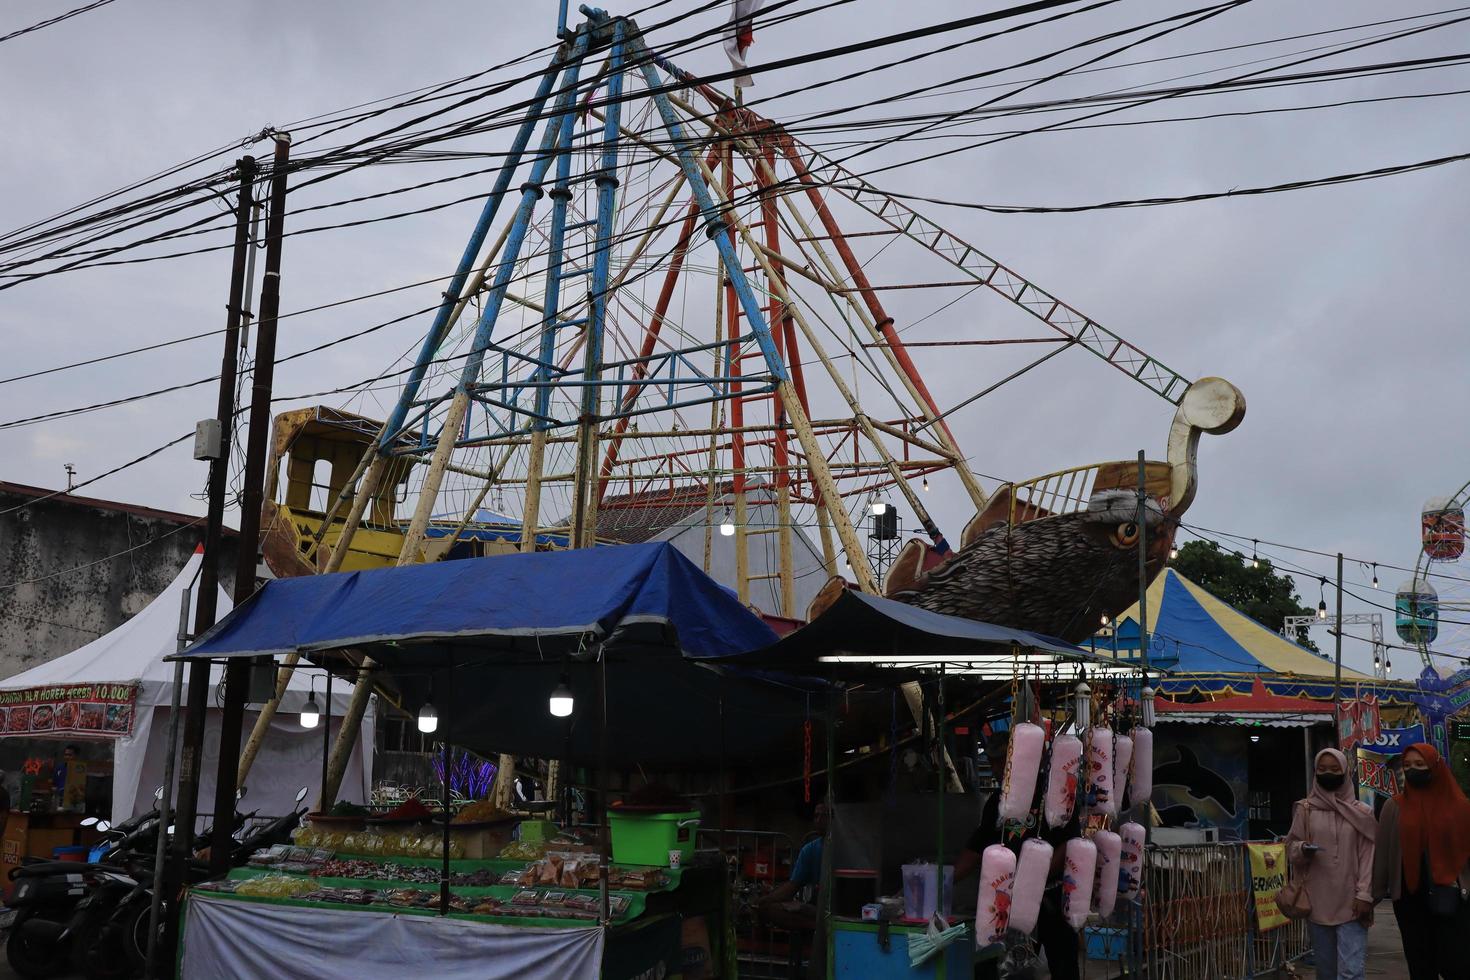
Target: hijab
(1342, 800)
(1434, 822)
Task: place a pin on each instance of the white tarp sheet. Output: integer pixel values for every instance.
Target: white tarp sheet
(231, 938)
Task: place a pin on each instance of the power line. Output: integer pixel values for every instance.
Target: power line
(55, 20)
(1294, 185)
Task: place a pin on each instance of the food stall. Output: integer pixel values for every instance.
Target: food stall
(628, 636)
(1080, 754)
(87, 733)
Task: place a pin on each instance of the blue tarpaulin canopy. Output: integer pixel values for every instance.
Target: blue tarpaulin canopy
(488, 639)
(646, 595)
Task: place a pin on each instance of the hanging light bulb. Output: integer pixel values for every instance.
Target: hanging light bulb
(561, 702)
(1083, 710)
(1106, 619)
(926, 484)
(1375, 575)
(1146, 704)
(310, 713)
(428, 718)
(879, 508)
(1173, 551)
(727, 526)
(1255, 560)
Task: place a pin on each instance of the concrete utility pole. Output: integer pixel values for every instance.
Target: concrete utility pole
(207, 597)
(237, 674)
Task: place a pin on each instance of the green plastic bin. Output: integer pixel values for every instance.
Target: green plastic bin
(647, 838)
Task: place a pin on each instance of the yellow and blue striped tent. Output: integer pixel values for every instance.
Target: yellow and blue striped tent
(1209, 647)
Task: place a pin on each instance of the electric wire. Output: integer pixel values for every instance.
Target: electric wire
(75, 11)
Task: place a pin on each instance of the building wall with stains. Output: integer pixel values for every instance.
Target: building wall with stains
(73, 568)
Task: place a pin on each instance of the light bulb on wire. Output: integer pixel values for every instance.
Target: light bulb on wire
(1322, 605)
(310, 713)
(727, 526)
(1255, 560)
(1375, 575)
(428, 720)
(1173, 551)
(561, 702)
(926, 484)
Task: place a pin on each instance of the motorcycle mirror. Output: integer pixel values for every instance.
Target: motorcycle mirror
(301, 794)
(89, 822)
(104, 826)
(158, 793)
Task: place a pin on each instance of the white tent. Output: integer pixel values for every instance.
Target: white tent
(118, 688)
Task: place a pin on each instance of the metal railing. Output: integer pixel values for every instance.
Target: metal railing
(758, 861)
(1199, 919)
(1069, 491)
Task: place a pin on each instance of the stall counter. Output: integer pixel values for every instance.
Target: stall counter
(857, 951)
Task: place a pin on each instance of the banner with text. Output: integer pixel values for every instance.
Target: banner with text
(98, 710)
(1268, 875)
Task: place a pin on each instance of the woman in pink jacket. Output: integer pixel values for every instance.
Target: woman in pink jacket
(1331, 844)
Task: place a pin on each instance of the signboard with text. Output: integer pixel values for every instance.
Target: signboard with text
(98, 710)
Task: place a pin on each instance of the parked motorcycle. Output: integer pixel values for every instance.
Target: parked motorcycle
(109, 937)
(46, 894)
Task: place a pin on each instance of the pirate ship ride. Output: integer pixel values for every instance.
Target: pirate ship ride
(690, 320)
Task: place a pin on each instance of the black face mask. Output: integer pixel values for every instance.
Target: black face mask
(1418, 777)
(1329, 780)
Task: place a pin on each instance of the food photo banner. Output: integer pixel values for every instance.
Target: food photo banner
(98, 710)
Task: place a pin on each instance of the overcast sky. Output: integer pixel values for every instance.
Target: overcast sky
(1339, 312)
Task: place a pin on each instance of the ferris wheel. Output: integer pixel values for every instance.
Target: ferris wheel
(1432, 609)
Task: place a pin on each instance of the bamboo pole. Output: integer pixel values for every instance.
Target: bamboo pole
(787, 572)
(742, 543)
(531, 518)
(824, 528)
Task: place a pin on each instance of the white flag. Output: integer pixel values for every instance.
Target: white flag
(740, 36)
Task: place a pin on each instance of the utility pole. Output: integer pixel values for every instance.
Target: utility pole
(237, 673)
(206, 603)
(1337, 670)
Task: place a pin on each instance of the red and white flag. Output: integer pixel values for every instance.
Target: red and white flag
(739, 37)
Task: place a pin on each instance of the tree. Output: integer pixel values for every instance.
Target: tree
(1259, 592)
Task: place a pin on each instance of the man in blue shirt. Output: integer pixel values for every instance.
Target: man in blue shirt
(782, 904)
(793, 905)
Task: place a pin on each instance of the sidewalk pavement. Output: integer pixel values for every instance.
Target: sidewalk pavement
(1385, 950)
